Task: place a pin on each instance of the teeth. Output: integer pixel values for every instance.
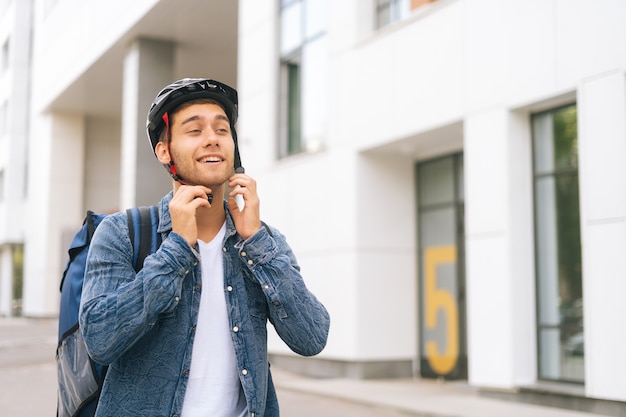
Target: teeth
(212, 159)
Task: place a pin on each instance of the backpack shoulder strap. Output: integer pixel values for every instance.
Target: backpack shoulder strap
(143, 223)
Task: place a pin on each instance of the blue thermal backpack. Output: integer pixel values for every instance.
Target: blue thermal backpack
(79, 377)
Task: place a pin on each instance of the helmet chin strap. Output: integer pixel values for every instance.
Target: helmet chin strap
(171, 168)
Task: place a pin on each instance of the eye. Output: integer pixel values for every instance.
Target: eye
(223, 130)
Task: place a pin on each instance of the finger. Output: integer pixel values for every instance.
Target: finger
(189, 193)
(240, 179)
(238, 189)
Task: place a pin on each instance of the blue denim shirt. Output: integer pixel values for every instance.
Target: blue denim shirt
(142, 325)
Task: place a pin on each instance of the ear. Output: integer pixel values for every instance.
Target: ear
(162, 153)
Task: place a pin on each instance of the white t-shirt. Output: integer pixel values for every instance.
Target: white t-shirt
(214, 389)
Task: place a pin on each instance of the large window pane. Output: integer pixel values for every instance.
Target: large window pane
(558, 247)
(437, 182)
(314, 95)
(543, 142)
(441, 257)
(556, 145)
(547, 247)
(549, 353)
(294, 107)
(565, 138)
(389, 11)
(304, 84)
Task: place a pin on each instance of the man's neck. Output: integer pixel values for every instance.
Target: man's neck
(210, 220)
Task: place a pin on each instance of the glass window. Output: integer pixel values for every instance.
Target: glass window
(557, 245)
(303, 74)
(437, 185)
(293, 105)
(390, 11)
(18, 279)
(442, 348)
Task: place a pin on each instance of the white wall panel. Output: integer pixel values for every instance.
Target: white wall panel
(602, 143)
(498, 227)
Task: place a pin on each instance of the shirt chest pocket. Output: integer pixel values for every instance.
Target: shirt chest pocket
(257, 304)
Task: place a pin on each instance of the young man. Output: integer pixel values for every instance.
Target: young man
(186, 335)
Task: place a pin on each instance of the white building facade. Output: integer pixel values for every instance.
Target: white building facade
(448, 172)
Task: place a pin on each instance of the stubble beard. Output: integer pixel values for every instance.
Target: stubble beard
(192, 176)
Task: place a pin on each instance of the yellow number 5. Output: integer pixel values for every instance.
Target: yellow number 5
(439, 298)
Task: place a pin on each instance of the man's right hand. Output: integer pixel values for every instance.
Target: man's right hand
(183, 208)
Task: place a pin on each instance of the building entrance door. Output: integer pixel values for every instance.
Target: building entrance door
(442, 324)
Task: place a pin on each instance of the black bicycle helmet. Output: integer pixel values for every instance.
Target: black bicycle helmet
(182, 91)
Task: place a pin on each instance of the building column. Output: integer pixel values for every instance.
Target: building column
(499, 255)
(602, 171)
(55, 205)
(148, 67)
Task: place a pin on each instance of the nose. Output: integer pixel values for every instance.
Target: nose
(210, 138)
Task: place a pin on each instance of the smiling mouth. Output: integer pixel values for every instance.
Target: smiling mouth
(210, 160)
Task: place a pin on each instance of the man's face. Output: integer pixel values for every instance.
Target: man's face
(202, 145)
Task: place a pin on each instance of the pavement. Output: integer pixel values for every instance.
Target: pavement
(28, 383)
(418, 397)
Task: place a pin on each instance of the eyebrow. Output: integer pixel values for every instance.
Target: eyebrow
(196, 117)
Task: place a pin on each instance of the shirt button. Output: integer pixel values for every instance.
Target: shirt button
(197, 287)
(265, 287)
(224, 249)
(186, 271)
(235, 329)
(177, 299)
(186, 372)
(244, 372)
(243, 253)
(250, 262)
(229, 288)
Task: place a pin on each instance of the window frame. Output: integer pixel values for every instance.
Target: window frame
(292, 135)
(555, 172)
